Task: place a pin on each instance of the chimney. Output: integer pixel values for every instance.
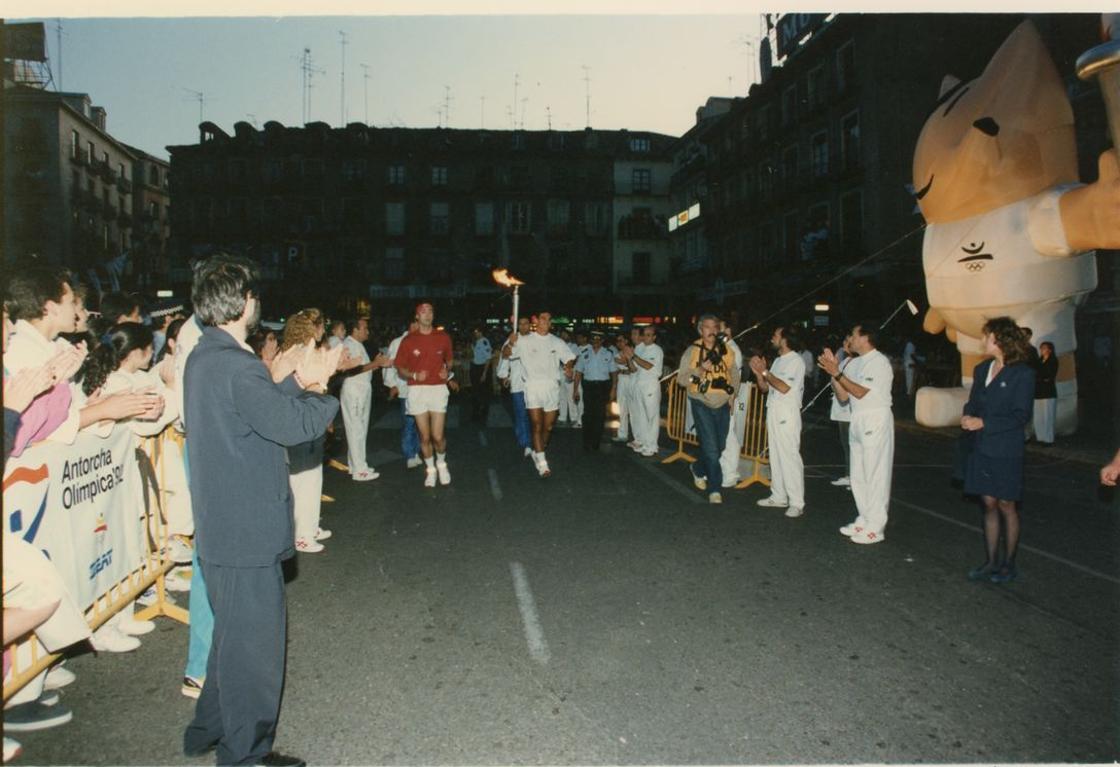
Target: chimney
(98, 114)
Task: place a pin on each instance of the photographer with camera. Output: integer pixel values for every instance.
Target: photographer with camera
(708, 371)
(785, 384)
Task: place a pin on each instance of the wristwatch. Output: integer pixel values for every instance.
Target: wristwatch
(838, 376)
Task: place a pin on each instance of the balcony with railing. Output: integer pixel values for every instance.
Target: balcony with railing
(642, 226)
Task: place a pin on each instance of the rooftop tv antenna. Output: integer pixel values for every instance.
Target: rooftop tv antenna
(308, 70)
(59, 34)
(200, 98)
(587, 84)
(365, 88)
(516, 82)
(482, 124)
(342, 82)
(447, 99)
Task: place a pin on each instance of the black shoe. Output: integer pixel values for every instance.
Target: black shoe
(983, 572)
(274, 759)
(32, 716)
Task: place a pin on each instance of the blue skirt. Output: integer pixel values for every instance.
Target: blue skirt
(999, 477)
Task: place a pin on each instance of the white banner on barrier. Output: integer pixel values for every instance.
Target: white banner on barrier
(81, 504)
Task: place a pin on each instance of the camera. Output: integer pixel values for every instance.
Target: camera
(714, 356)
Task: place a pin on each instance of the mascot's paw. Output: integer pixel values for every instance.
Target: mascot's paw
(940, 407)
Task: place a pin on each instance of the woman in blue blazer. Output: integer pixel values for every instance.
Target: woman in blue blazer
(999, 407)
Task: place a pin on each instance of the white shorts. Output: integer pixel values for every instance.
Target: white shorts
(427, 399)
(543, 395)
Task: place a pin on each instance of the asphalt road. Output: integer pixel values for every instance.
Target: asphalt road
(609, 615)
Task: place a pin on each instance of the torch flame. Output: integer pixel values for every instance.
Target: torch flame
(505, 279)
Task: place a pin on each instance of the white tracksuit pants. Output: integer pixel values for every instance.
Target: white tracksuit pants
(625, 396)
(787, 472)
(871, 437)
(646, 412)
(355, 402)
(307, 501)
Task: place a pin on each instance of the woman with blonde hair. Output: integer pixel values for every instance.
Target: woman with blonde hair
(305, 461)
(1000, 405)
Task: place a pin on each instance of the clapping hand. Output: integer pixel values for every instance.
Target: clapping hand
(154, 405)
(285, 362)
(317, 365)
(67, 362)
(757, 365)
(382, 361)
(828, 363)
(23, 387)
(346, 362)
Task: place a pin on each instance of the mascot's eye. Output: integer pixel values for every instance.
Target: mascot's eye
(987, 126)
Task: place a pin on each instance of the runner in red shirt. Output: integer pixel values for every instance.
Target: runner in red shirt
(424, 360)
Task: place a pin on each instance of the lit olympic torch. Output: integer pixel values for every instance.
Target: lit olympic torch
(1103, 63)
(507, 280)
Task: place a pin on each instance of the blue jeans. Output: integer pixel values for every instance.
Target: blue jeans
(520, 419)
(711, 430)
(410, 437)
(202, 617)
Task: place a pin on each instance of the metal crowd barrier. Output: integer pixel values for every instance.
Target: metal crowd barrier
(154, 566)
(754, 447)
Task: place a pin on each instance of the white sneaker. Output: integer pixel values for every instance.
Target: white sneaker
(108, 639)
(648, 452)
(528, 452)
(850, 529)
(795, 511)
(413, 462)
(174, 581)
(322, 535)
(12, 749)
(842, 482)
(443, 472)
(542, 467)
(58, 677)
(868, 537)
(134, 628)
(771, 503)
(365, 475)
(715, 498)
(309, 547)
(577, 425)
(180, 550)
(430, 476)
(635, 445)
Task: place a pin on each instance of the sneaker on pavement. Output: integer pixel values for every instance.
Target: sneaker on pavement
(12, 749)
(177, 581)
(700, 482)
(868, 537)
(715, 498)
(108, 639)
(842, 482)
(577, 425)
(134, 628)
(59, 677)
(33, 715)
(795, 511)
(365, 475)
(430, 476)
(528, 453)
(192, 687)
(771, 502)
(851, 529)
(309, 547)
(635, 445)
(322, 535)
(413, 462)
(542, 468)
(151, 596)
(443, 473)
(648, 452)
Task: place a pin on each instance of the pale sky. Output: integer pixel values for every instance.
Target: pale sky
(647, 72)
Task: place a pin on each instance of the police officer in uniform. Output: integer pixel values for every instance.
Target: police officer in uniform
(597, 373)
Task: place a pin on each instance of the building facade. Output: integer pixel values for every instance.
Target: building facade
(151, 217)
(67, 183)
(346, 215)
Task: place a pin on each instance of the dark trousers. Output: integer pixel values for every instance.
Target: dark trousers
(240, 699)
(521, 430)
(711, 431)
(480, 394)
(595, 396)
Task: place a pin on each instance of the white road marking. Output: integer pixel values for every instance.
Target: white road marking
(534, 635)
(495, 488)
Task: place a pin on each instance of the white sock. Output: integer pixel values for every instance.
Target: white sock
(430, 462)
(441, 457)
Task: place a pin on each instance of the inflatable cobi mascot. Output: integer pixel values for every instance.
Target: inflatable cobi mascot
(1009, 229)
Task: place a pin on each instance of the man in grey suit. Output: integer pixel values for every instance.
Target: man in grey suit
(241, 422)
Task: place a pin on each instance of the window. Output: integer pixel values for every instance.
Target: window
(518, 140)
(520, 177)
(762, 117)
(394, 218)
(75, 182)
(91, 152)
(846, 67)
(789, 165)
(765, 180)
(814, 240)
(273, 170)
(594, 218)
(105, 158)
(556, 141)
(484, 218)
(353, 170)
(819, 143)
(396, 174)
(818, 85)
(439, 175)
(789, 105)
(745, 128)
(120, 170)
(849, 141)
(641, 180)
(313, 168)
(120, 205)
(520, 217)
(851, 222)
(640, 269)
(438, 218)
(75, 144)
(238, 169)
(394, 263)
(559, 212)
(153, 175)
(639, 144)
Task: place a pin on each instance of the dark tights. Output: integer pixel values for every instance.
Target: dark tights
(994, 510)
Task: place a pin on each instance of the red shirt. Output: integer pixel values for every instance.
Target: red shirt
(431, 352)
